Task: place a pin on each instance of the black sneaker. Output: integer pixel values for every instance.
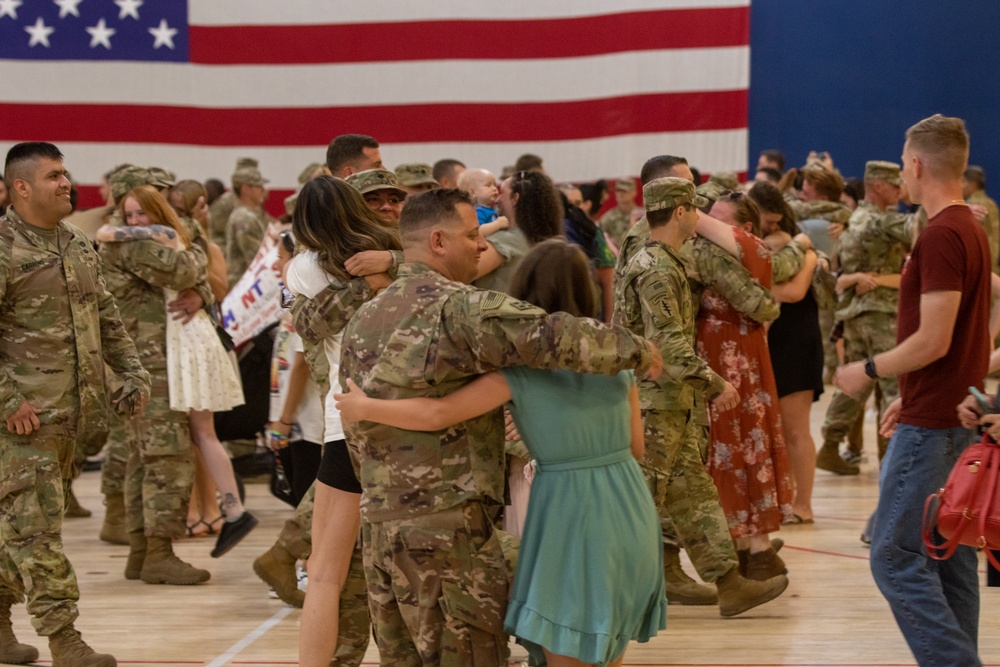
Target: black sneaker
(232, 532)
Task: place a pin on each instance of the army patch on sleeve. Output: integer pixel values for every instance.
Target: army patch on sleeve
(492, 301)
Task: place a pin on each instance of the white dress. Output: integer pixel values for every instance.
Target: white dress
(200, 373)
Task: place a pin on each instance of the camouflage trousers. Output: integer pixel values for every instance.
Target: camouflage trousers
(864, 336)
(158, 475)
(115, 458)
(32, 561)
(684, 492)
(437, 589)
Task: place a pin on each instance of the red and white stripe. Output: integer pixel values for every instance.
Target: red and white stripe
(594, 92)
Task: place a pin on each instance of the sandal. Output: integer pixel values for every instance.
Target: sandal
(192, 529)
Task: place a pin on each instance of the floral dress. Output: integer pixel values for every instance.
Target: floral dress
(746, 451)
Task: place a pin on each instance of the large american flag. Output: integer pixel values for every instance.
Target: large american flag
(595, 87)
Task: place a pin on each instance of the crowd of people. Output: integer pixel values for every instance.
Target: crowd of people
(497, 411)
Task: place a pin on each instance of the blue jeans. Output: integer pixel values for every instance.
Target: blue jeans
(936, 603)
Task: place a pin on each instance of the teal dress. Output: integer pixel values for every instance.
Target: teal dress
(590, 570)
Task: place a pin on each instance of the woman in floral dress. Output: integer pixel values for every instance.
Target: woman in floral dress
(746, 450)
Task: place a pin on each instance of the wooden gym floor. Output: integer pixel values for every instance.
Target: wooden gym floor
(831, 615)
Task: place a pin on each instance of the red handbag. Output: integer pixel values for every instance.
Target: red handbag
(967, 510)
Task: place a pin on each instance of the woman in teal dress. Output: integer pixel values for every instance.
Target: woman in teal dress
(589, 577)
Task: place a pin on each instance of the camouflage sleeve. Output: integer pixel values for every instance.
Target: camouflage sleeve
(10, 398)
(726, 276)
(502, 331)
(319, 367)
(326, 315)
(664, 328)
(242, 242)
(899, 227)
(787, 262)
(117, 347)
(397, 259)
(159, 265)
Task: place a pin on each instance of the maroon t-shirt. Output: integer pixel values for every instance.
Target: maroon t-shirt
(951, 255)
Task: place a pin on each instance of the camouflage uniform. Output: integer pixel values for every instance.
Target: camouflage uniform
(875, 241)
(160, 466)
(437, 577)
(991, 223)
(60, 325)
(218, 217)
(653, 299)
(616, 223)
(512, 246)
(244, 234)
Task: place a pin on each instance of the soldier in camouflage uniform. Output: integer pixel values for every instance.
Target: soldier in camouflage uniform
(60, 326)
(707, 266)
(652, 298)
(381, 191)
(160, 466)
(974, 190)
(437, 579)
(872, 251)
(220, 209)
(247, 223)
(617, 221)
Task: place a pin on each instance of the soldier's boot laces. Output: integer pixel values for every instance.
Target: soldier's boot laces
(276, 567)
(69, 650)
(74, 510)
(682, 589)
(136, 555)
(737, 594)
(113, 529)
(12, 651)
(163, 567)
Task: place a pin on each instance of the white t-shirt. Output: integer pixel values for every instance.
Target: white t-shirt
(305, 277)
(309, 416)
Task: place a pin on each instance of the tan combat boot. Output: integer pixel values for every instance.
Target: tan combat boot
(276, 567)
(163, 567)
(682, 589)
(737, 595)
(136, 554)
(113, 530)
(11, 650)
(69, 650)
(72, 508)
(764, 565)
(828, 458)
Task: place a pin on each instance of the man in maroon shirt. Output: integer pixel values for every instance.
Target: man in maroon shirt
(942, 348)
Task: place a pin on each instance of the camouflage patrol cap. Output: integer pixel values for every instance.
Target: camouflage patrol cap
(248, 176)
(711, 190)
(162, 178)
(880, 170)
(670, 192)
(726, 179)
(375, 179)
(242, 162)
(625, 184)
(415, 173)
(126, 178)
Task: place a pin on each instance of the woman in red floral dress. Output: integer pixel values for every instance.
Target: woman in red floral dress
(746, 450)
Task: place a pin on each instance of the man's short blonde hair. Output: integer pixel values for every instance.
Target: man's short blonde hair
(942, 144)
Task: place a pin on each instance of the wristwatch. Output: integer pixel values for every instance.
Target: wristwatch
(870, 368)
